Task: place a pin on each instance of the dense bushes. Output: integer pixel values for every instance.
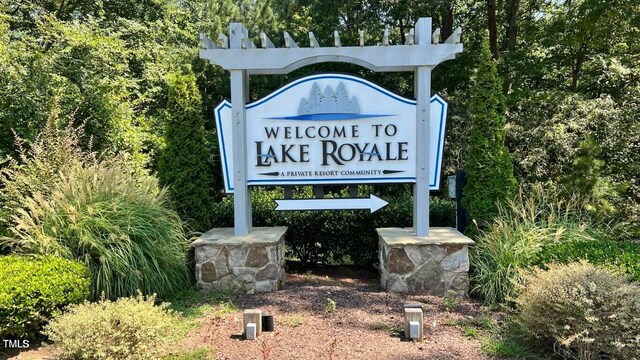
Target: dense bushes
(33, 288)
(536, 218)
(129, 328)
(623, 256)
(108, 215)
(330, 235)
(585, 310)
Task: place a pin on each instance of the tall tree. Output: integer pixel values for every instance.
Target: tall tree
(489, 167)
(183, 163)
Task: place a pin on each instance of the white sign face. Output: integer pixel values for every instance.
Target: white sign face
(332, 129)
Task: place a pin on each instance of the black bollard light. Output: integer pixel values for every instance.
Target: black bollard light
(267, 322)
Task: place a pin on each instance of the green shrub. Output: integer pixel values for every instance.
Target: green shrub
(129, 328)
(184, 162)
(326, 236)
(490, 179)
(623, 256)
(33, 288)
(537, 217)
(117, 224)
(588, 311)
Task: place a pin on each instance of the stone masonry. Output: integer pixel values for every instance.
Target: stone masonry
(430, 265)
(253, 263)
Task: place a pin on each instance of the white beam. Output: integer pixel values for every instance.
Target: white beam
(288, 41)
(223, 40)
(361, 32)
(377, 58)
(385, 37)
(206, 43)
(435, 37)
(265, 41)
(455, 37)
(242, 218)
(410, 37)
(423, 107)
(313, 42)
(336, 39)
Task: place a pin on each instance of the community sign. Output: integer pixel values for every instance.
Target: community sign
(332, 129)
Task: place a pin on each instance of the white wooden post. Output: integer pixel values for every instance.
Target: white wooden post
(239, 90)
(423, 111)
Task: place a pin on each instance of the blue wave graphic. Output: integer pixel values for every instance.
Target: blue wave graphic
(329, 116)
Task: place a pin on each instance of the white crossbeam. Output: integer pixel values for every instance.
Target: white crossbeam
(410, 37)
(223, 40)
(313, 42)
(376, 58)
(435, 37)
(288, 41)
(206, 43)
(455, 37)
(265, 41)
(336, 38)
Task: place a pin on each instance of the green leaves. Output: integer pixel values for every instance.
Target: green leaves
(184, 163)
(34, 288)
(489, 168)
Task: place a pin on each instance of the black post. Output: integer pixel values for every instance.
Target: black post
(461, 213)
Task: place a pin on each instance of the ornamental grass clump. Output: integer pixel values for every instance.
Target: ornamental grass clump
(536, 217)
(587, 312)
(120, 227)
(107, 214)
(127, 329)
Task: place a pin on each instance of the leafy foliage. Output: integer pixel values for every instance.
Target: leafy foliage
(184, 162)
(585, 310)
(623, 256)
(34, 288)
(489, 169)
(129, 328)
(108, 215)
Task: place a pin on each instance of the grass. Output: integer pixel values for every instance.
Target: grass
(291, 320)
(380, 326)
(496, 340)
(197, 354)
(507, 347)
(193, 304)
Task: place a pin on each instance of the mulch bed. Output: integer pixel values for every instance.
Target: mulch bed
(366, 324)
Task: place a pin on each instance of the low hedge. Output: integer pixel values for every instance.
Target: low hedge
(622, 255)
(329, 236)
(33, 288)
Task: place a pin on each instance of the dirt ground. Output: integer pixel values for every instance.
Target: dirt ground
(365, 323)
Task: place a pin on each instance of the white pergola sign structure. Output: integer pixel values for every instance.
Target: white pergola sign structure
(236, 53)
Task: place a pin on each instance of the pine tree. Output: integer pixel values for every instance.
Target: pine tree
(183, 163)
(489, 166)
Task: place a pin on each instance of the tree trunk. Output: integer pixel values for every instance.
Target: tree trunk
(577, 67)
(493, 28)
(513, 7)
(447, 22)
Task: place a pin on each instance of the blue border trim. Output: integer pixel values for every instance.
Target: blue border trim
(227, 181)
(434, 98)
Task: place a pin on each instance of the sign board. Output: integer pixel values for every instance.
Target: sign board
(332, 129)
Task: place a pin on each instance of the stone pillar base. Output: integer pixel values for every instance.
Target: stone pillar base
(252, 263)
(430, 265)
